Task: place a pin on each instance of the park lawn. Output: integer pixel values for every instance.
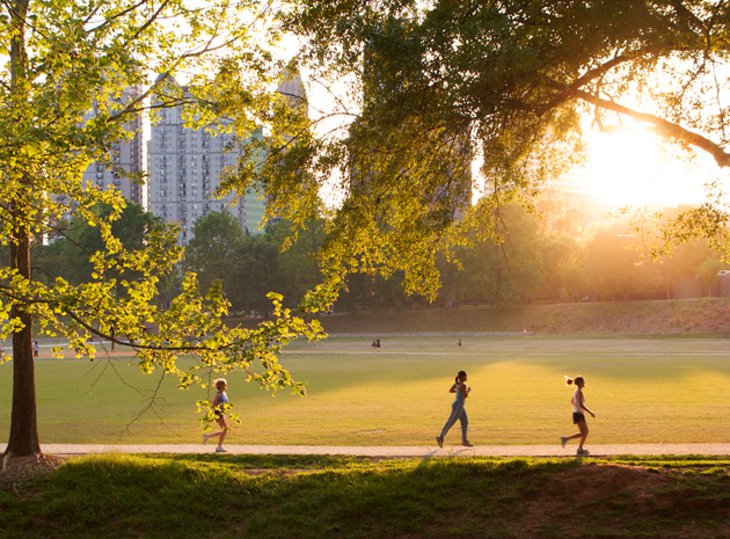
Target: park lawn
(662, 390)
(249, 496)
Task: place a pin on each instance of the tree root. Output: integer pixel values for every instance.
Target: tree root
(16, 470)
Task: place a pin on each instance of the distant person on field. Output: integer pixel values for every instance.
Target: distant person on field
(219, 409)
(457, 410)
(35, 349)
(579, 406)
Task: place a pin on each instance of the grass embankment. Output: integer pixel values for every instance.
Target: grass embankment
(234, 496)
(706, 316)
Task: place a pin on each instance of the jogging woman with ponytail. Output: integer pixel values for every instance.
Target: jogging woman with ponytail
(457, 411)
(579, 418)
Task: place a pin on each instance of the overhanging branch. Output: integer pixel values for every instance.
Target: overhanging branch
(661, 126)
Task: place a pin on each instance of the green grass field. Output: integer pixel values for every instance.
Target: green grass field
(642, 390)
(248, 496)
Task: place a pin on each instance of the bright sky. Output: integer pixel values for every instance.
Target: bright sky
(627, 166)
(633, 166)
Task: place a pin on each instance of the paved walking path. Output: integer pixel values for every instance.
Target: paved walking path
(397, 451)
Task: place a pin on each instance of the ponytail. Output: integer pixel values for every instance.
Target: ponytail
(570, 381)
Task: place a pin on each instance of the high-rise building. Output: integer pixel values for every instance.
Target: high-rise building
(185, 167)
(125, 162)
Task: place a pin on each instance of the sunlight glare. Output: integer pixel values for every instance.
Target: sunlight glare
(632, 166)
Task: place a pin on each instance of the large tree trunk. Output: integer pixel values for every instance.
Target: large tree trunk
(23, 423)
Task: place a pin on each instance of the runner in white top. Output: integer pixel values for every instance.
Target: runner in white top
(579, 417)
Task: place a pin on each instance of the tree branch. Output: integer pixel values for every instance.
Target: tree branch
(122, 13)
(568, 90)
(662, 127)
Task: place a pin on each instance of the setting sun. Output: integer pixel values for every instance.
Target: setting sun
(632, 166)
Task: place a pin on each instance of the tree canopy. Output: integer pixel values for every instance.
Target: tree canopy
(250, 266)
(65, 100)
(433, 87)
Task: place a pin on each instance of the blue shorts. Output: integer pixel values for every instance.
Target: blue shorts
(577, 418)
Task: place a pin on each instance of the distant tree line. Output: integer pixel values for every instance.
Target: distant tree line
(549, 255)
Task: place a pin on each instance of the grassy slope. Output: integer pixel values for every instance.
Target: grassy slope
(675, 317)
(228, 496)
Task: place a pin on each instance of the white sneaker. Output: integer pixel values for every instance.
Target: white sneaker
(205, 438)
(563, 439)
(582, 452)
(220, 449)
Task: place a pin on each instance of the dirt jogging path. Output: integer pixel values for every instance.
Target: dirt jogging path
(395, 451)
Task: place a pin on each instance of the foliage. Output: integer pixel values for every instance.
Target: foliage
(66, 84)
(70, 250)
(430, 86)
(249, 266)
(497, 272)
(534, 259)
(438, 84)
(216, 238)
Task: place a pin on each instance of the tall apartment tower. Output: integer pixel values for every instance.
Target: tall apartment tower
(185, 167)
(127, 156)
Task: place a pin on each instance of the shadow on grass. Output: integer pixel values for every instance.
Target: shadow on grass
(280, 496)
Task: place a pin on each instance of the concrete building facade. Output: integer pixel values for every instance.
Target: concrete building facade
(185, 167)
(125, 164)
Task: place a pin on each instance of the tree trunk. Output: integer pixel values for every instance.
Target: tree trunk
(23, 423)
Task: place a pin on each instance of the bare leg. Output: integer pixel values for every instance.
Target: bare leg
(221, 434)
(224, 430)
(583, 434)
(583, 426)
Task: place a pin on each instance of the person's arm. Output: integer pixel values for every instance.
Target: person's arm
(583, 406)
(453, 388)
